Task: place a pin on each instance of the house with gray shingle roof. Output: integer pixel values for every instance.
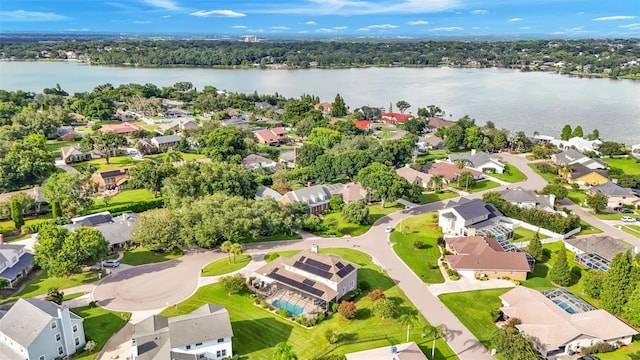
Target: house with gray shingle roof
(616, 194)
(116, 230)
(40, 330)
(15, 263)
(471, 218)
(165, 142)
(480, 161)
(316, 197)
(572, 156)
(203, 334)
(529, 199)
(266, 191)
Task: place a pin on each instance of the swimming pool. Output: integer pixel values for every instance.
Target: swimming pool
(566, 307)
(292, 309)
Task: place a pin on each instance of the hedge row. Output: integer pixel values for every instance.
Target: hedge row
(136, 207)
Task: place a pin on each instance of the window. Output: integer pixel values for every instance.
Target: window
(60, 350)
(41, 357)
(198, 344)
(223, 352)
(75, 328)
(351, 285)
(220, 340)
(77, 341)
(58, 337)
(344, 291)
(188, 347)
(54, 325)
(218, 353)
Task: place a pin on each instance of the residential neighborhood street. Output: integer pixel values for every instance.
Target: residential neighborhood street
(156, 286)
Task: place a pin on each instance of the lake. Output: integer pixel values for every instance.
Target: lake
(529, 101)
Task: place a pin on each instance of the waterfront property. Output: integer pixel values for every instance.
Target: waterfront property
(561, 323)
(37, 329)
(572, 156)
(203, 334)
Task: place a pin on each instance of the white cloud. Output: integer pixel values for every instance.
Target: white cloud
(360, 7)
(279, 28)
(76, 30)
(476, 27)
(239, 27)
(217, 13)
(164, 4)
(525, 28)
(255, 30)
(383, 26)
(166, 16)
(142, 22)
(617, 17)
(450, 28)
(418, 22)
(311, 23)
(580, 13)
(515, 19)
(340, 28)
(630, 26)
(22, 15)
(303, 32)
(479, 12)
(325, 30)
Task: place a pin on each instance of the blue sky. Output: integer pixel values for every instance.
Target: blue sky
(418, 18)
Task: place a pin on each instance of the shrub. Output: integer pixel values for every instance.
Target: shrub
(376, 294)
(364, 286)
(35, 227)
(264, 304)
(418, 244)
(321, 316)
(301, 319)
(136, 207)
(384, 308)
(602, 347)
(283, 312)
(313, 321)
(496, 314)
(331, 336)
(334, 307)
(347, 309)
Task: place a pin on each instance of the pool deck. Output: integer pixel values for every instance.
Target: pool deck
(295, 300)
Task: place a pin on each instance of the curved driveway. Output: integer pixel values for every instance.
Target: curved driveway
(155, 286)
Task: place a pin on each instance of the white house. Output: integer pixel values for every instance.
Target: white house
(316, 197)
(203, 334)
(15, 263)
(480, 161)
(471, 218)
(578, 143)
(40, 330)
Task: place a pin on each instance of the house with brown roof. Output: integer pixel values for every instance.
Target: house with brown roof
(435, 123)
(72, 154)
(414, 177)
(271, 136)
(125, 129)
(111, 179)
(324, 277)
(450, 172)
(484, 257)
(349, 192)
(35, 193)
(562, 325)
(324, 107)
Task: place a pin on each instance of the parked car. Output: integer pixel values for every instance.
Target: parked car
(388, 229)
(111, 263)
(588, 357)
(627, 219)
(622, 210)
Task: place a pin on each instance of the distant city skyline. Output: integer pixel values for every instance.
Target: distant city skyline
(375, 18)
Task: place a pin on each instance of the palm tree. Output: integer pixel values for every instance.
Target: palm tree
(285, 352)
(172, 156)
(436, 181)
(437, 332)
(460, 164)
(565, 170)
(226, 247)
(407, 318)
(236, 249)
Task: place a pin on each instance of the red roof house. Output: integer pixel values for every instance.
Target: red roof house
(123, 129)
(363, 124)
(393, 118)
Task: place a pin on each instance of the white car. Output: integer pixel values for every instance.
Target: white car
(111, 263)
(627, 219)
(388, 229)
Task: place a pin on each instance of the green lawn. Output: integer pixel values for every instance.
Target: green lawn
(226, 265)
(547, 176)
(124, 197)
(632, 229)
(101, 164)
(141, 256)
(432, 155)
(577, 196)
(511, 174)
(365, 332)
(72, 296)
(269, 257)
(430, 197)
(614, 216)
(479, 186)
(334, 224)
(630, 166)
(40, 284)
(55, 145)
(587, 229)
(521, 234)
(8, 225)
(386, 134)
(99, 325)
(185, 157)
(622, 353)
(473, 309)
(423, 262)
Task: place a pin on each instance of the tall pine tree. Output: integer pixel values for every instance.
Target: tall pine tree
(535, 248)
(632, 308)
(617, 284)
(339, 108)
(560, 273)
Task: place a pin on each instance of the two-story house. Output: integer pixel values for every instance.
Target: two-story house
(204, 334)
(15, 263)
(316, 197)
(471, 218)
(110, 179)
(40, 330)
(271, 136)
(572, 156)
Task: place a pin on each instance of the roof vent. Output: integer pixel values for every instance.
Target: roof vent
(314, 248)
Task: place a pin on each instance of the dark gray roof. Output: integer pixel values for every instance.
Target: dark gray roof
(568, 157)
(611, 189)
(580, 170)
(112, 173)
(116, 232)
(93, 219)
(27, 318)
(603, 245)
(520, 195)
(25, 262)
(167, 139)
(475, 208)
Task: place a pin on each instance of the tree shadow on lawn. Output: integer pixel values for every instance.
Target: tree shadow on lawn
(425, 346)
(375, 279)
(363, 314)
(258, 334)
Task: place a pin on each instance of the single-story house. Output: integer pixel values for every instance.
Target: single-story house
(597, 251)
(556, 331)
(72, 154)
(125, 129)
(265, 106)
(414, 177)
(349, 192)
(253, 161)
(584, 176)
(616, 194)
(36, 193)
(363, 125)
(325, 277)
(288, 157)
(578, 143)
(406, 351)
(38, 329)
(77, 118)
(205, 333)
(316, 197)
(177, 113)
(450, 172)
(110, 179)
(324, 107)
(395, 118)
(480, 257)
(124, 115)
(237, 120)
(271, 136)
(92, 219)
(268, 121)
(165, 142)
(572, 156)
(529, 199)
(116, 230)
(15, 263)
(472, 217)
(370, 112)
(435, 123)
(177, 125)
(267, 191)
(480, 161)
(432, 142)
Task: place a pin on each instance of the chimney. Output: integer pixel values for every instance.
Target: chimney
(134, 349)
(473, 151)
(314, 248)
(67, 331)
(308, 183)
